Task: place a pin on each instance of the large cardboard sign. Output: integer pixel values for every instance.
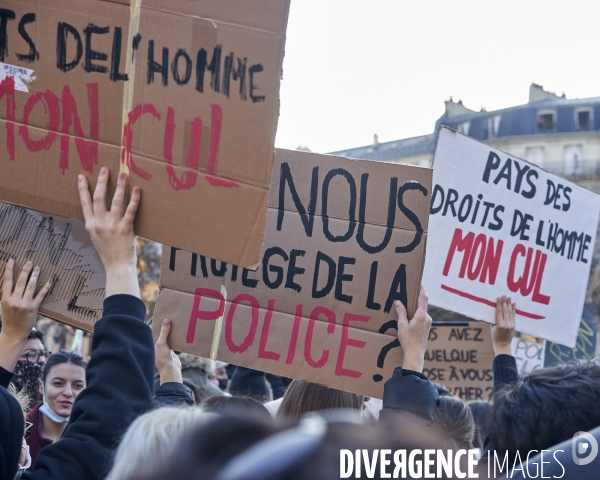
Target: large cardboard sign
(183, 95)
(344, 240)
(64, 252)
(460, 356)
(585, 346)
(502, 226)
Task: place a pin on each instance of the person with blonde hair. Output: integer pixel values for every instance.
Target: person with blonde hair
(146, 446)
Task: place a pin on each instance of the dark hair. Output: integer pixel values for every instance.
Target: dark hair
(453, 417)
(204, 451)
(235, 405)
(62, 357)
(195, 390)
(546, 407)
(303, 397)
(35, 333)
(442, 390)
(481, 412)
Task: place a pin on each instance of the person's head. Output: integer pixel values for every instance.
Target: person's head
(28, 371)
(62, 381)
(14, 454)
(235, 405)
(546, 407)
(303, 397)
(247, 447)
(34, 350)
(147, 445)
(481, 417)
(454, 419)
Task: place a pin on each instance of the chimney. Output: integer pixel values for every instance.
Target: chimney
(375, 140)
(454, 109)
(537, 94)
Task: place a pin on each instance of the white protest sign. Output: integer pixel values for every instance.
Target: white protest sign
(502, 226)
(529, 355)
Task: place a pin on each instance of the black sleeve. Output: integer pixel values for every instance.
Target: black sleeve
(5, 377)
(173, 393)
(410, 392)
(119, 388)
(505, 371)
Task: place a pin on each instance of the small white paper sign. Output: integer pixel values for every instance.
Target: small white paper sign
(529, 355)
(22, 76)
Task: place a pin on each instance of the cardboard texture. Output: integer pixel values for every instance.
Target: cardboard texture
(344, 239)
(184, 95)
(502, 226)
(64, 252)
(460, 357)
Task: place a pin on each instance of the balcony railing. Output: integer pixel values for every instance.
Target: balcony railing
(573, 168)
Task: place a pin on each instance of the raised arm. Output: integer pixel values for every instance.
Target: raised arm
(505, 365)
(409, 391)
(119, 374)
(19, 310)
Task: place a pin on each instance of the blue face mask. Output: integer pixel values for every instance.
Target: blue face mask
(52, 415)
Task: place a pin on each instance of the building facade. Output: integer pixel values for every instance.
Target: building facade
(560, 135)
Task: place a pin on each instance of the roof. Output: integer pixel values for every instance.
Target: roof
(407, 147)
(514, 121)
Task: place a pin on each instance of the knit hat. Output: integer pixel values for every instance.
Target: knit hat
(12, 427)
(252, 383)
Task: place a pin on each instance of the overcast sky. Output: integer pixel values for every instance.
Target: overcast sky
(353, 68)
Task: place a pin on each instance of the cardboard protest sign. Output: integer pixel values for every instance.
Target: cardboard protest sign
(182, 95)
(529, 355)
(344, 240)
(64, 252)
(502, 226)
(585, 346)
(460, 356)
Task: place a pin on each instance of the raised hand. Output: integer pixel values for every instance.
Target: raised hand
(413, 333)
(19, 307)
(167, 363)
(111, 232)
(503, 331)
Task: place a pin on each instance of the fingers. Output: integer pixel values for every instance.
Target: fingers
(100, 193)
(85, 199)
(7, 282)
(165, 329)
(134, 202)
(117, 201)
(423, 300)
(22, 280)
(402, 315)
(39, 298)
(32, 284)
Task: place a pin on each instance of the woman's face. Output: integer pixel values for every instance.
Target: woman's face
(64, 383)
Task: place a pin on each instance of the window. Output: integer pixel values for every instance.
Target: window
(572, 159)
(545, 122)
(493, 126)
(583, 119)
(463, 127)
(535, 155)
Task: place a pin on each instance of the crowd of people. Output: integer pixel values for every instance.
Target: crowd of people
(139, 411)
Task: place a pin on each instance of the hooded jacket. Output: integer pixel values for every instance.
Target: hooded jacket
(119, 379)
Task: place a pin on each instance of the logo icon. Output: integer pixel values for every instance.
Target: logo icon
(584, 448)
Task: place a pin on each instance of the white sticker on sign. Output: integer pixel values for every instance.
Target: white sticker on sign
(22, 76)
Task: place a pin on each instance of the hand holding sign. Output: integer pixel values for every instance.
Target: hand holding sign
(19, 311)
(502, 332)
(413, 334)
(112, 234)
(167, 363)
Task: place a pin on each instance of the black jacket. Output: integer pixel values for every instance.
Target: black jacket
(119, 388)
(409, 392)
